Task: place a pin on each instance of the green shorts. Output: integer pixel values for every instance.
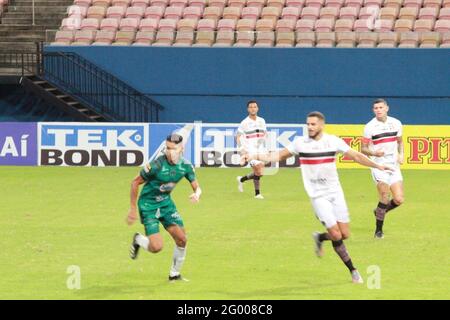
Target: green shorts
(166, 214)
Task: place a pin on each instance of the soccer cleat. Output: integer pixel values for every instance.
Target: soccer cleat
(240, 184)
(379, 235)
(177, 278)
(259, 196)
(356, 277)
(318, 244)
(134, 248)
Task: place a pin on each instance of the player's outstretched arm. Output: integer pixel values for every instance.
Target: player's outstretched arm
(363, 160)
(132, 213)
(195, 197)
(271, 156)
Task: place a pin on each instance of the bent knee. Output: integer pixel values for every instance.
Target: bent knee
(345, 235)
(155, 248)
(335, 235)
(182, 242)
(399, 200)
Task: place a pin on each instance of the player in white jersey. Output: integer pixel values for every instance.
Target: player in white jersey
(317, 154)
(251, 139)
(383, 142)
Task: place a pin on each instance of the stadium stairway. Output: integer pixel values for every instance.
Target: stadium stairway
(16, 104)
(17, 31)
(60, 99)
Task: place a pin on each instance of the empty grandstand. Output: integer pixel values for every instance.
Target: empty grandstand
(259, 23)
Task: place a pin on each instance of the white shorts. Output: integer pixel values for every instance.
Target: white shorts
(254, 163)
(331, 209)
(386, 176)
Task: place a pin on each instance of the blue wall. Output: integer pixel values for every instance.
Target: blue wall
(214, 84)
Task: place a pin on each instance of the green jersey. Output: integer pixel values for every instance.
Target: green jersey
(161, 178)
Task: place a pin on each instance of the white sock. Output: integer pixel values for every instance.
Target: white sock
(179, 255)
(142, 241)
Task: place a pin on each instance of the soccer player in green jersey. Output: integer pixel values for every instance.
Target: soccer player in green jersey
(160, 177)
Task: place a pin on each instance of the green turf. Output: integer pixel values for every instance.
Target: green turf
(239, 247)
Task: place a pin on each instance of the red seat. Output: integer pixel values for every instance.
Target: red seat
(304, 25)
(129, 24)
(324, 25)
(135, 12)
(291, 13)
(90, 24)
(148, 24)
(167, 25)
(117, 12)
(109, 24)
(104, 37)
(207, 25)
(154, 12)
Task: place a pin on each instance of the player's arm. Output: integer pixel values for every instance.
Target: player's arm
(272, 156)
(191, 177)
(363, 160)
(132, 213)
(238, 139)
(195, 197)
(400, 146)
(366, 150)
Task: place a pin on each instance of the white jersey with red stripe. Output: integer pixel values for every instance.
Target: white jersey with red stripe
(253, 135)
(382, 136)
(318, 163)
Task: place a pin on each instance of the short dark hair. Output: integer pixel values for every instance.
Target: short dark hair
(316, 114)
(379, 100)
(250, 102)
(175, 138)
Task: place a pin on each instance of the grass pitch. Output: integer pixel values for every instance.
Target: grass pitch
(239, 248)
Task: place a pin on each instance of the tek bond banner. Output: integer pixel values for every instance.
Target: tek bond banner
(425, 147)
(214, 145)
(92, 144)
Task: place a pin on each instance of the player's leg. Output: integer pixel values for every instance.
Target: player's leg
(323, 211)
(341, 250)
(397, 196)
(173, 223)
(152, 241)
(258, 171)
(333, 213)
(382, 181)
(380, 211)
(179, 253)
(241, 180)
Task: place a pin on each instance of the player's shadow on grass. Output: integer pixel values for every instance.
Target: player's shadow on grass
(119, 291)
(307, 291)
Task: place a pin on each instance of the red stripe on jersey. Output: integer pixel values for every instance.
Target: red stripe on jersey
(256, 135)
(316, 161)
(391, 139)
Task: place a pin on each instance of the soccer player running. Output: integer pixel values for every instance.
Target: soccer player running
(251, 139)
(383, 142)
(317, 153)
(155, 204)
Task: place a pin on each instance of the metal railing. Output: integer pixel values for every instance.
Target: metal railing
(21, 63)
(97, 88)
(85, 81)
